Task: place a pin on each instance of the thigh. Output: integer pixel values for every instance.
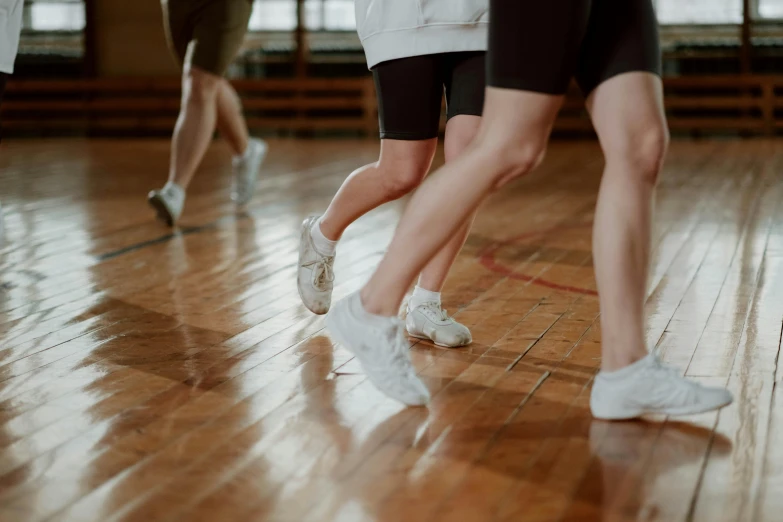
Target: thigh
(465, 83)
(177, 16)
(410, 91)
(534, 45)
(621, 37)
(219, 31)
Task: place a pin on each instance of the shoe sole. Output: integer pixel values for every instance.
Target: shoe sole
(163, 213)
(677, 412)
(436, 343)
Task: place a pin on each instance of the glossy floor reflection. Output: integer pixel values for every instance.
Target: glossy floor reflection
(150, 374)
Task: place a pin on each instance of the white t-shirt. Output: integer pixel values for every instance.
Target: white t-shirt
(10, 29)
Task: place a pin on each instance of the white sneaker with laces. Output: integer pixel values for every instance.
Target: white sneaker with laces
(315, 272)
(246, 171)
(650, 387)
(381, 348)
(429, 321)
(168, 202)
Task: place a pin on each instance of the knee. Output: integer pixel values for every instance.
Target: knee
(642, 153)
(200, 87)
(403, 179)
(512, 160)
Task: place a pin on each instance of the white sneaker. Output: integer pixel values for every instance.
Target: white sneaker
(382, 351)
(168, 202)
(429, 321)
(246, 171)
(647, 387)
(315, 272)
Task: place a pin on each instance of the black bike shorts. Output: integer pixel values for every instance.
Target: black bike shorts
(539, 46)
(410, 92)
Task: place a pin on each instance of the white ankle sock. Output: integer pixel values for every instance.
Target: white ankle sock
(247, 152)
(170, 186)
(325, 246)
(421, 296)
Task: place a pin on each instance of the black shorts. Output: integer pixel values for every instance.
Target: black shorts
(3, 78)
(540, 45)
(410, 92)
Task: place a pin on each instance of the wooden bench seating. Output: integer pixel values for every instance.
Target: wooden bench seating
(751, 104)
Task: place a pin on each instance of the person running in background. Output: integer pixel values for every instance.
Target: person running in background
(416, 52)
(611, 48)
(205, 37)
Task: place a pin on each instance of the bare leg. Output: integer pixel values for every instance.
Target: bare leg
(460, 132)
(401, 167)
(195, 125)
(511, 142)
(230, 120)
(628, 115)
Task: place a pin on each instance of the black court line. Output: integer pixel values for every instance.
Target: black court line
(168, 237)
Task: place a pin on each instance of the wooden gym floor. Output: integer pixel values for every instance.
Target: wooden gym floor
(155, 375)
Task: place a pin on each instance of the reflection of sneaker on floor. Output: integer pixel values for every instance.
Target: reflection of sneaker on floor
(622, 444)
(650, 387)
(246, 169)
(168, 202)
(315, 272)
(380, 345)
(430, 321)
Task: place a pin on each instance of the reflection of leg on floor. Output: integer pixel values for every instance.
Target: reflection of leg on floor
(638, 461)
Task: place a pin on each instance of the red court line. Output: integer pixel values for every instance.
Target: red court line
(487, 258)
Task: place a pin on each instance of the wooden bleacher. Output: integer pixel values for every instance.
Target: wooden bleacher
(150, 105)
(749, 104)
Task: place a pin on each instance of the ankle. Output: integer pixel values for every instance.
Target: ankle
(242, 151)
(374, 303)
(323, 244)
(327, 230)
(617, 359)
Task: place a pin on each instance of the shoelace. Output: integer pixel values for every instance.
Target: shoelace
(435, 309)
(323, 272)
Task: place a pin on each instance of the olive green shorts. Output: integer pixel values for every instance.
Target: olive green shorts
(206, 34)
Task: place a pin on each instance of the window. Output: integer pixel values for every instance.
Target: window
(770, 9)
(338, 15)
(320, 15)
(52, 41)
(700, 11)
(715, 12)
(54, 16)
